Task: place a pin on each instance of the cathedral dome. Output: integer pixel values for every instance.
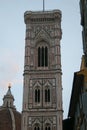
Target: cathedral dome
(10, 119)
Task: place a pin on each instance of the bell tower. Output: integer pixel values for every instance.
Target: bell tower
(42, 90)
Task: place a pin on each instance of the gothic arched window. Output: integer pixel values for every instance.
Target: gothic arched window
(47, 127)
(46, 56)
(39, 57)
(36, 127)
(47, 95)
(42, 56)
(37, 95)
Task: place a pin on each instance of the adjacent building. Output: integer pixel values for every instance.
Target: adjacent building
(83, 11)
(78, 102)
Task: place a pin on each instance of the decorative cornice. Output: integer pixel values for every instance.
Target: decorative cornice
(40, 16)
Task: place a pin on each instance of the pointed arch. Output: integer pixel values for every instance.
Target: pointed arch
(37, 95)
(47, 126)
(42, 36)
(36, 126)
(47, 95)
(42, 44)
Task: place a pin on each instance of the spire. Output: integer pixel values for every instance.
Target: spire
(43, 5)
(9, 90)
(8, 100)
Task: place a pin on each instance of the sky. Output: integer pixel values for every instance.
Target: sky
(12, 44)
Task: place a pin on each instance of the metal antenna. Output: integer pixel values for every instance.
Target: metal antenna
(43, 5)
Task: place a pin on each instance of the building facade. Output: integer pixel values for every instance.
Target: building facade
(42, 91)
(83, 11)
(78, 101)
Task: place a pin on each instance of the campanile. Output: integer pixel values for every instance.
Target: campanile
(42, 88)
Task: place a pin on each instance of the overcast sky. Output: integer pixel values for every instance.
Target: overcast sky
(12, 43)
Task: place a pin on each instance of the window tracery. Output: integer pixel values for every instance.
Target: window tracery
(42, 56)
(47, 95)
(37, 95)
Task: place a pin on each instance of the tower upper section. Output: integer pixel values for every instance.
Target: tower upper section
(43, 35)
